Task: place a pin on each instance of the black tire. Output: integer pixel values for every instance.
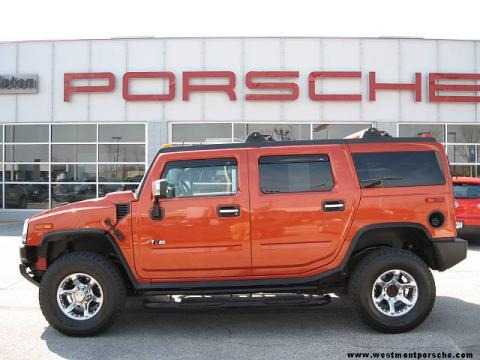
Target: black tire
(375, 264)
(104, 272)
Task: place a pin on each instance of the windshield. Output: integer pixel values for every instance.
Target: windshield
(466, 191)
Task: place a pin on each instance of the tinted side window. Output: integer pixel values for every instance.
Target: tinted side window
(391, 169)
(299, 173)
(201, 177)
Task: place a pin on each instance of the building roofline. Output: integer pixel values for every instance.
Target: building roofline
(127, 38)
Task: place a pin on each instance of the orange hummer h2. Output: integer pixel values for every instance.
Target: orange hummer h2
(292, 221)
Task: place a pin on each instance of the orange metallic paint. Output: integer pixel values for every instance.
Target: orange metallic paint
(198, 243)
(276, 235)
(291, 234)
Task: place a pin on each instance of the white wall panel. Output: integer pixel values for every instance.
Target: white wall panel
(108, 56)
(221, 55)
(36, 58)
(145, 55)
(8, 66)
(477, 69)
(393, 60)
(341, 55)
(69, 57)
(262, 55)
(456, 56)
(302, 55)
(184, 55)
(417, 56)
(381, 56)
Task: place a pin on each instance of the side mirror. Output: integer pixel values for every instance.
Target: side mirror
(160, 189)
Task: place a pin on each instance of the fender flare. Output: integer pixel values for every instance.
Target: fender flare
(62, 234)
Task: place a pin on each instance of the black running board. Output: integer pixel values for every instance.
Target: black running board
(237, 300)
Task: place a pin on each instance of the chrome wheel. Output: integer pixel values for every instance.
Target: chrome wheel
(80, 296)
(395, 293)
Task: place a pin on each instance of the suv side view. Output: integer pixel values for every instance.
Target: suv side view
(368, 216)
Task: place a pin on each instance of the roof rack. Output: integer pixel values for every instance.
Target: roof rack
(256, 136)
(374, 132)
(365, 134)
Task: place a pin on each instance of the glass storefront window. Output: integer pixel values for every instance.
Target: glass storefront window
(74, 173)
(202, 133)
(40, 172)
(465, 170)
(462, 153)
(463, 134)
(280, 132)
(26, 133)
(121, 153)
(26, 172)
(68, 193)
(104, 189)
(121, 133)
(336, 131)
(74, 153)
(120, 173)
(26, 196)
(222, 132)
(74, 133)
(414, 130)
(26, 153)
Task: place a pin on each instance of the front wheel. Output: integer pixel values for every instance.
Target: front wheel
(82, 294)
(393, 290)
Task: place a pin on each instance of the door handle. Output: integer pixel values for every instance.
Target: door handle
(333, 205)
(228, 211)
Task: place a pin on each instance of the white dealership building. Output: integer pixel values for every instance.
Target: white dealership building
(79, 119)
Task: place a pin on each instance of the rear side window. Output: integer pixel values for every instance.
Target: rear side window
(206, 177)
(392, 169)
(298, 173)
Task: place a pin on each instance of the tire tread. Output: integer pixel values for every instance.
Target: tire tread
(100, 263)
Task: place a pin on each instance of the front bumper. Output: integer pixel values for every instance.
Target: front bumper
(29, 276)
(26, 254)
(449, 252)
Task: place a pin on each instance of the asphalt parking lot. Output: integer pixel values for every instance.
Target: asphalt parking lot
(329, 332)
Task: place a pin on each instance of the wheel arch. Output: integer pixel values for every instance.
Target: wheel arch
(413, 237)
(58, 243)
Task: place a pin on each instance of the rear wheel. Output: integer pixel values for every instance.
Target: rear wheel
(393, 290)
(82, 294)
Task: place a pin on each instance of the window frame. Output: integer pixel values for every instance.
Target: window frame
(217, 161)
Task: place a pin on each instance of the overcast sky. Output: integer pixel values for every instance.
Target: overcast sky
(90, 19)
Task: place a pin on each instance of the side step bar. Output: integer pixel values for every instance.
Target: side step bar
(234, 300)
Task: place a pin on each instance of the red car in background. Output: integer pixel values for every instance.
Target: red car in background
(467, 206)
